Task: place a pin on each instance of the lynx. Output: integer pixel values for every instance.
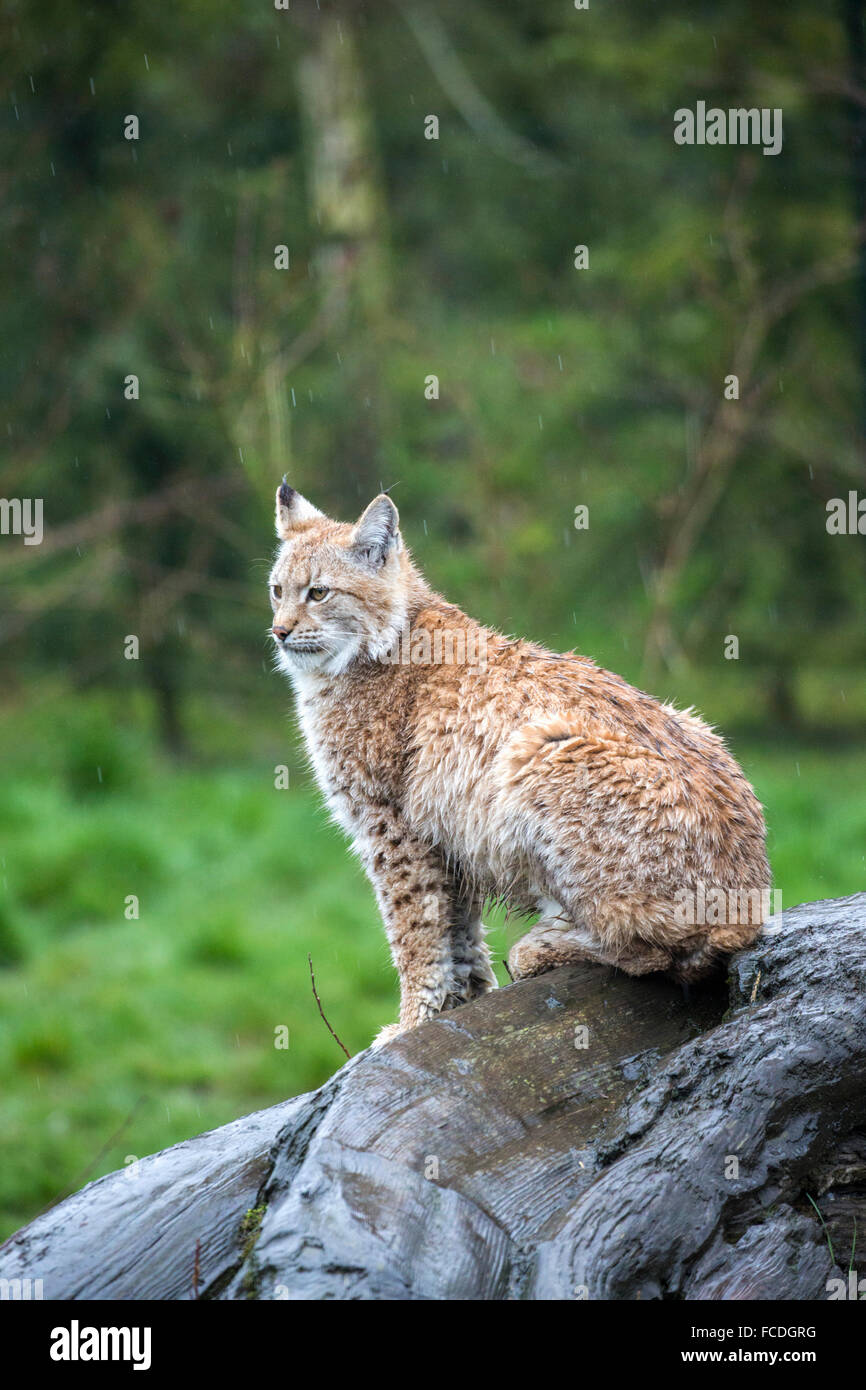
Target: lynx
(482, 766)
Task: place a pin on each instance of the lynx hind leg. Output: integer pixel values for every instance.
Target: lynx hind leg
(556, 940)
(705, 952)
(553, 940)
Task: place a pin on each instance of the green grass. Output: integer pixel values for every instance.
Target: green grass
(119, 1037)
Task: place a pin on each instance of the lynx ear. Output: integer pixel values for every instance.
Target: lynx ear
(292, 508)
(376, 535)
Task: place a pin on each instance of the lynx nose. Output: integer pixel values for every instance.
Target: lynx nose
(281, 633)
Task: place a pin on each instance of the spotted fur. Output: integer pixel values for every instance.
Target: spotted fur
(537, 778)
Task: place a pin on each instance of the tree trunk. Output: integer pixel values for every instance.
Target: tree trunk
(347, 206)
(856, 37)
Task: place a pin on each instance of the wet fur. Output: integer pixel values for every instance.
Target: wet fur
(540, 779)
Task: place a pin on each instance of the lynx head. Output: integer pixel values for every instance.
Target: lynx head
(338, 591)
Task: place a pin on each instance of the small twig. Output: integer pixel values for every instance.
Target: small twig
(755, 987)
(196, 1269)
(322, 1011)
(507, 971)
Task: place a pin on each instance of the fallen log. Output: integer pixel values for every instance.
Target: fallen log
(584, 1134)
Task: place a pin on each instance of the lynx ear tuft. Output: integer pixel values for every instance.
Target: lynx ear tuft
(292, 509)
(376, 534)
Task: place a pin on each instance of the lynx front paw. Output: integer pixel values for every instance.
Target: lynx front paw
(391, 1030)
(483, 978)
(412, 1014)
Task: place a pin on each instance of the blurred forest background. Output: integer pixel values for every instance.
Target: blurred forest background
(405, 258)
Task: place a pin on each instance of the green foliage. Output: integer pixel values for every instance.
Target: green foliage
(12, 950)
(558, 387)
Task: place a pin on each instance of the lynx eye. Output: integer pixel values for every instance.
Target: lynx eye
(277, 590)
(317, 592)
